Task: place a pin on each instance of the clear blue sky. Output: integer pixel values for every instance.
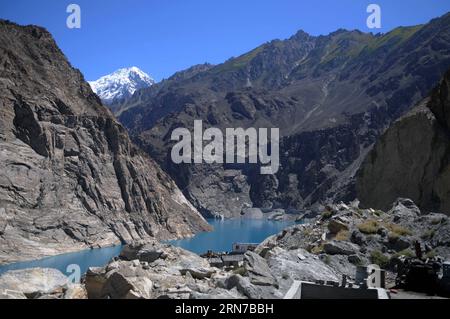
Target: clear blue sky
(165, 36)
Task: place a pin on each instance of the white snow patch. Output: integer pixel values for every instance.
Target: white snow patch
(121, 84)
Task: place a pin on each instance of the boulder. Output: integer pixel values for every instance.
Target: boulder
(294, 237)
(398, 243)
(336, 225)
(143, 251)
(298, 264)
(75, 291)
(120, 286)
(340, 264)
(217, 293)
(9, 294)
(130, 251)
(355, 259)
(404, 210)
(124, 280)
(198, 272)
(357, 237)
(175, 274)
(116, 286)
(252, 213)
(441, 236)
(33, 283)
(335, 247)
(276, 214)
(94, 281)
(257, 270)
(246, 288)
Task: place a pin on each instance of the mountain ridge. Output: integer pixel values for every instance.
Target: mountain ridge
(331, 96)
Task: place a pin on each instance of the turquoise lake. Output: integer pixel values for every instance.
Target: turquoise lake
(85, 259)
(226, 232)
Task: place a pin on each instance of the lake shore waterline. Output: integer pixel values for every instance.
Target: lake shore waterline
(221, 239)
(97, 257)
(229, 231)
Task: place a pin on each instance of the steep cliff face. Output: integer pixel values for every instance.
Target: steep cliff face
(331, 96)
(412, 159)
(69, 176)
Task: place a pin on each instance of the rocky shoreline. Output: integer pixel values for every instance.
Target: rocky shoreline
(332, 245)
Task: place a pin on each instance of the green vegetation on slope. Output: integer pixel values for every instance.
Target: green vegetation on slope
(394, 38)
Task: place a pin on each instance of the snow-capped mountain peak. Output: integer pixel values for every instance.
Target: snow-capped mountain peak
(121, 84)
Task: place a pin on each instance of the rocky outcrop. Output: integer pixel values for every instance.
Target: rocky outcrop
(70, 178)
(331, 96)
(369, 236)
(174, 273)
(181, 274)
(39, 283)
(308, 252)
(412, 158)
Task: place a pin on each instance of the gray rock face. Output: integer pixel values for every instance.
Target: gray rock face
(412, 158)
(70, 178)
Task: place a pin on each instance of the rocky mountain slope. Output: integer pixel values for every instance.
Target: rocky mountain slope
(331, 96)
(69, 176)
(121, 84)
(412, 159)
